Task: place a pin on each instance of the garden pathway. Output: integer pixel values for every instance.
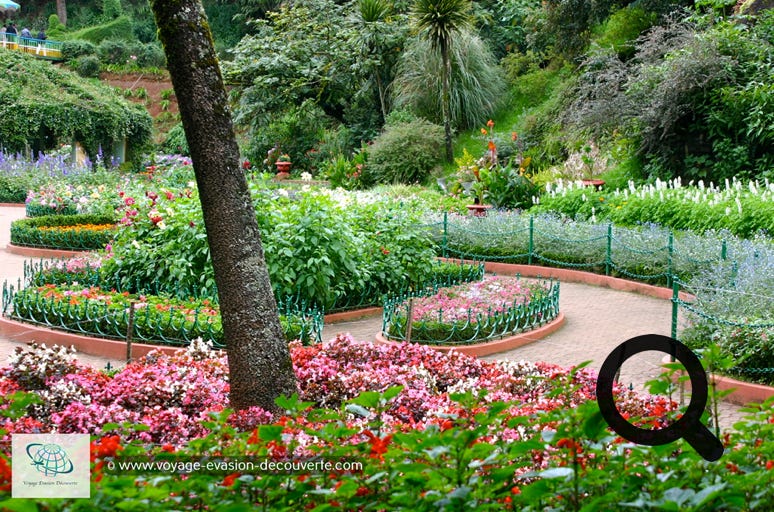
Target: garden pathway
(597, 320)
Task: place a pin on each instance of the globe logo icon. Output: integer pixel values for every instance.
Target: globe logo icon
(49, 459)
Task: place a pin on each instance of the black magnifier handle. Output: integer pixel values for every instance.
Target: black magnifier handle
(703, 441)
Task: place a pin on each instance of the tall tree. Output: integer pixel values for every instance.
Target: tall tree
(258, 356)
(61, 11)
(440, 21)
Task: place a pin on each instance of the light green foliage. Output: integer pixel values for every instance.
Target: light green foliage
(622, 28)
(111, 9)
(477, 83)
(317, 250)
(119, 28)
(405, 153)
(43, 105)
(55, 28)
(506, 186)
(75, 48)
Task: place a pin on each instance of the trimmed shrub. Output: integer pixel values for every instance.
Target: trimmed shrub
(113, 51)
(66, 232)
(150, 55)
(119, 28)
(74, 49)
(88, 66)
(405, 153)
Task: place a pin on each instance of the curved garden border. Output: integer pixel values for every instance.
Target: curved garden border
(741, 392)
(40, 252)
(492, 347)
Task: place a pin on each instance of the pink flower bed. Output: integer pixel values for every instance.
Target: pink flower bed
(173, 395)
(493, 294)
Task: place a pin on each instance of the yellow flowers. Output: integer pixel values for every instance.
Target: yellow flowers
(78, 227)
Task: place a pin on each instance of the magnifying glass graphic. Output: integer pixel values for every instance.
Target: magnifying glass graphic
(689, 426)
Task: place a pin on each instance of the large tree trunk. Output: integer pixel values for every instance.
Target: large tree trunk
(61, 11)
(258, 356)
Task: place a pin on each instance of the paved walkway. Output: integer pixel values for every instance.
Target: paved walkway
(597, 320)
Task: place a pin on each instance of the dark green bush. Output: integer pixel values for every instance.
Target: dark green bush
(113, 51)
(11, 191)
(150, 55)
(622, 28)
(74, 49)
(405, 153)
(88, 66)
(176, 143)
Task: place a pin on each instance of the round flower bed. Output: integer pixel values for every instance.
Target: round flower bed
(494, 307)
(68, 232)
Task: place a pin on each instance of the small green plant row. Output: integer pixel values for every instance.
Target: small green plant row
(69, 232)
(474, 326)
(643, 255)
(93, 311)
(40, 210)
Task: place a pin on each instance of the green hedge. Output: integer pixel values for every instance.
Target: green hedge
(119, 28)
(27, 232)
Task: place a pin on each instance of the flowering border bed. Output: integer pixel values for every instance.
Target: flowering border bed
(157, 319)
(430, 431)
(68, 232)
(469, 313)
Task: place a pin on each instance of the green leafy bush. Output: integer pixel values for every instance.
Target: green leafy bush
(317, 251)
(113, 51)
(176, 143)
(405, 153)
(621, 30)
(506, 186)
(75, 48)
(88, 66)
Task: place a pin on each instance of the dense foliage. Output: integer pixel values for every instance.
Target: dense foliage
(696, 97)
(323, 248)
(43, 106)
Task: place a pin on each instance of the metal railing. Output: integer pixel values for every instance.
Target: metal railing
(42, 49)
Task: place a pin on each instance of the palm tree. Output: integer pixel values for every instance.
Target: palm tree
(440, 21)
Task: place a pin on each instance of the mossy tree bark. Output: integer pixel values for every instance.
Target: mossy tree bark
(258, 356)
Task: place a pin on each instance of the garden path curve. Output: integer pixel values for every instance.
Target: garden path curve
(596, 321)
